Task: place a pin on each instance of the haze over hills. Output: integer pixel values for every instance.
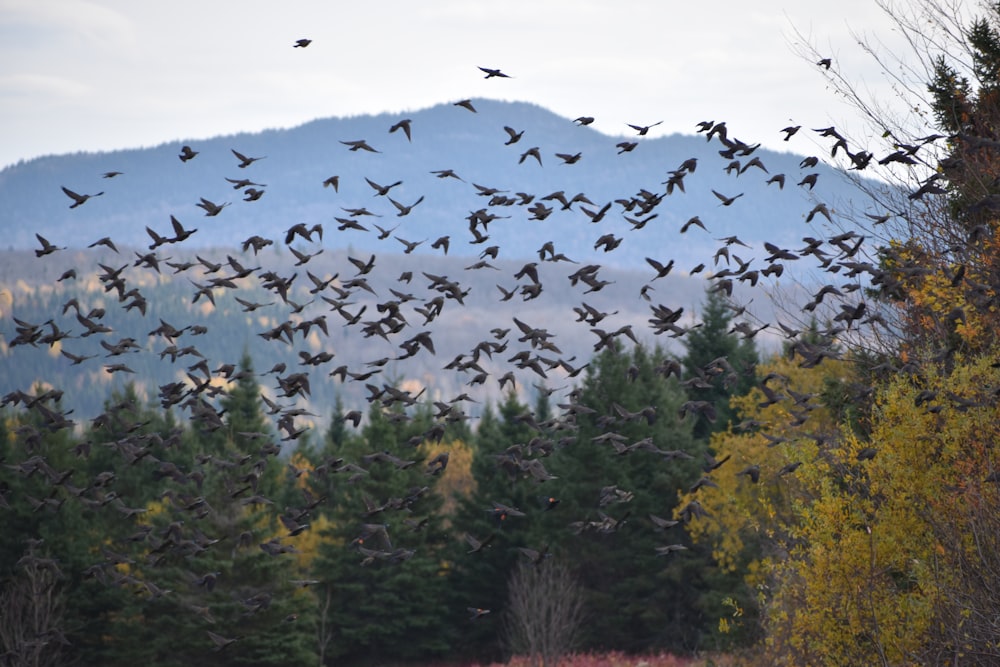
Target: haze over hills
(155, 184)
(30, 292)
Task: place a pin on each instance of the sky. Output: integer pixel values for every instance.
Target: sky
(93, 75)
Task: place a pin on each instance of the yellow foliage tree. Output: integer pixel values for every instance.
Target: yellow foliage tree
(880, 550)
(755, 496)
(456, 479)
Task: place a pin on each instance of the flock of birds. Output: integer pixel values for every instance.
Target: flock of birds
(402, 318)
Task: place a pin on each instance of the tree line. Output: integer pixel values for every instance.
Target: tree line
(397, 536)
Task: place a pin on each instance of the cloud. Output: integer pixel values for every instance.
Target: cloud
(90, 23)
(41, 87)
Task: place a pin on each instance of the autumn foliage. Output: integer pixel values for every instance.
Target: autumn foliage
(862, 500)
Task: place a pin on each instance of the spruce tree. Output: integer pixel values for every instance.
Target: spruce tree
(631, 456)
(718, 364)
(216, 562)
(481, 572)
(383, 591)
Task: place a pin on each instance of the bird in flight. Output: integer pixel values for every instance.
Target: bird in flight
(187, 153)
(382, 189)
(211, 208)
(244, 160)
(301, 43)
(466, 104)
(790, 131)
(47, 248)
(403, 125)
(531, 152)
(404, 210)
(569, 159)
(78, 199)
(360, 145)
(515, 136)
(477, 612)
(220, 641)
(643, 129)
(726, 201)
(490, 73)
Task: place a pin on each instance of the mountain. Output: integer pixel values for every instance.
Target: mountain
(735, 210)
(156, 184)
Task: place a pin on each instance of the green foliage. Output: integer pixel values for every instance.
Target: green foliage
(643, 600)
(202, 566)
(480, 577)
(705, 345)
(384, 593)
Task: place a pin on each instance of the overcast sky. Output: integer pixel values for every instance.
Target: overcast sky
(107, 74)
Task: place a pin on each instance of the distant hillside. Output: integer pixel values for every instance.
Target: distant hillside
(155, 184)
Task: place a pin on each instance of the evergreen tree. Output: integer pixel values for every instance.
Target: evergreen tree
(216, 561)
(383, 594)
(631, 456)
(481, 573)
(336, 432)
(717, 364)
(48, 523)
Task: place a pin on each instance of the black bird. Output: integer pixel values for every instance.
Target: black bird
(726, 201)
(47, 248)
(382, 190)
(211, 208)
(661, 269)
(410, 246)
(187, 153)
(244, 160)
(531, 152)
(514, 135)
(240, 183)
(359, 145)
(405, 210)
(403, 125)
(790, 131)
(643, 129)
(693, 221)
(78, 199)
(301, 43)
(490, 73)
